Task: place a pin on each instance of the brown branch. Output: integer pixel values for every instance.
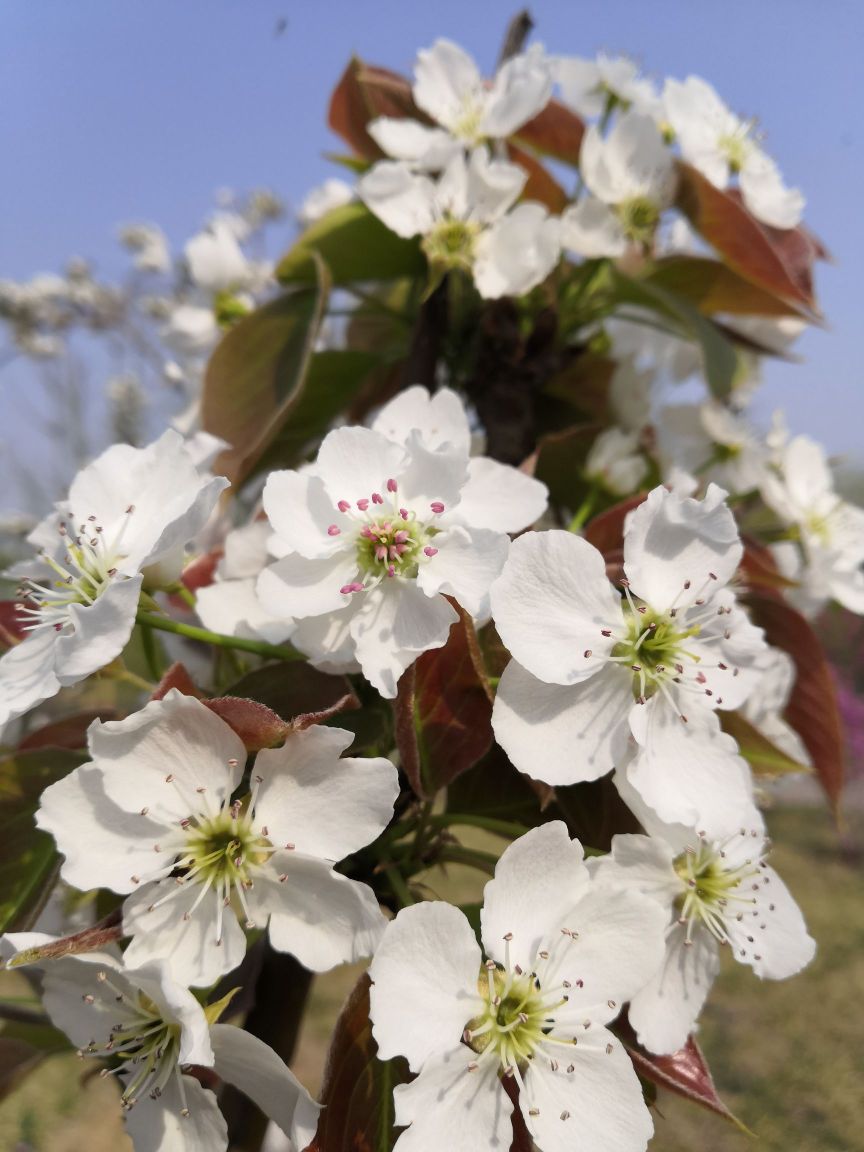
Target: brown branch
(518, 31)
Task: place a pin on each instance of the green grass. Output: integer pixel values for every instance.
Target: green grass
(788, 1058)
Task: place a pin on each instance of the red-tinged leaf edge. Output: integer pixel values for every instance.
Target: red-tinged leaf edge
(541, 185)
(346, 703)
(363, 93)
(606, 531)
(685, 1073)
(200, 573)
(812, 710)
(757, 253)
(11, 630)
(759, 569)
(177, 676)
(357, 1091)
(108, 931)
(556, 132)
(405, 731)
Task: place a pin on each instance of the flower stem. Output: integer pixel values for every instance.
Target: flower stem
(400, 889)
(217, 639)
(483, 861)
(585, 510)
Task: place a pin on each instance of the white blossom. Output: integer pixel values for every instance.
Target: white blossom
(162, 816)
(764, 707)
(152, 1031)
(123, 526)
(372, 537)
(719, 144)
(631, 176)
(322, 199)
(561, 957)
(590, 87)
(615, 461)
(826, 553)
(590, 669)
(215, 259)
(468, 220)
(448, 87)
(715, 892)
(712, 440)
(149, 244)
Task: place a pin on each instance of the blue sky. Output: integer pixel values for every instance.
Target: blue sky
(112, 112)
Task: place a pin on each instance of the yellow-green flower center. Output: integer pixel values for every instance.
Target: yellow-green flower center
(514, 1018)
(639, 218)
(709, 885)
(451, 244)
(653, 648)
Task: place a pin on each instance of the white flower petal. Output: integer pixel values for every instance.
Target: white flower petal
(772, 936)
(27, 675)
(159, 757)
(521, 88)
(424, 983)
(666, 1009)
(100, 631)
(296, 587)
(689, 773)
(449, 1106)
(597, 1105)
(160, 1125)
(550, 604)
(538, 881)
(411, 141)
(517, 252)
(491, 186)
(563, 734)
(592, 229)
(197, 958)
(300, 510)
(445, 77)
(355, 462)
(401, 199)
(395, 623)
(232, 608)
(252, 1066)
(104, 845)
(467, 563)
(440, 418)
(318, 915)
(767, 196)
(325, 806)
(678, 550)
(500, 498)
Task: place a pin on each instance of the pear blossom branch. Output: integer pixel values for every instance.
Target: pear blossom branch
(205, 636)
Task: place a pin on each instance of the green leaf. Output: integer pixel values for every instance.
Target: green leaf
(720, 360)
(763, 756)
(28, 858)
(256, 376)
(332, 381)
(355, 245)
(715, 287)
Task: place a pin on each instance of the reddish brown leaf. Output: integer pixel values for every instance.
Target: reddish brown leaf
(556, 131)
(177, 676)
(11, 631)
(71, 732)
(759, 569)
(684, 1072)
(346, 703)
(257, 725)
(763, 256)
(541, 184)
(452, 712)
(405, 730)
(199, 574)
(715, 287)
(606, 531)
(812, 710)
(363, 93)
(357, 1093)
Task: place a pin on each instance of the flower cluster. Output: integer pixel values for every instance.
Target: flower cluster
(467, 539)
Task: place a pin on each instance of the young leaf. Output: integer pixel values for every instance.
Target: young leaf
(363, 93)
(28, 859)
(358, 1087)
(256, 376)
(555, 132)
(354, 245)
(812, 709)
(763, 756)
(715, 287)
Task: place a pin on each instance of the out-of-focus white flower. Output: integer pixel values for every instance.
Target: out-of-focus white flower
(324, 198)
(615, 461)
(215, 259)
(715, 892)
(828, 554)
(191, 329)
(561, 958)
(713, 442)
(448, 87)
(467, 220)
(372, 537)
(631, 175)
(719, 144)
(152, 1029)
(591, 669)
(590, 87)
(665, 354)
(765, 706)
(149, 244)
(156, 816)
(126, 519)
